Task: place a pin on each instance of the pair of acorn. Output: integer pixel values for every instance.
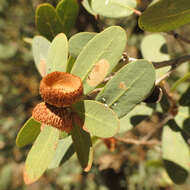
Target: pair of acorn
(59, 91)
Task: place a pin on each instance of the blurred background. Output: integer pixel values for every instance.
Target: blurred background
(128, 167)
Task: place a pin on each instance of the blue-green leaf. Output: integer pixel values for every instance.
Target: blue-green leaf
(99, 57)
(98, 119)
(114, 8)
(154, 48)
(64, 151)
(40, 46)
(57, 54)
(78, 41)
(129, 86)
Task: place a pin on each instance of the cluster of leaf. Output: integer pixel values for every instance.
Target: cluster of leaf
(162, 16)
(120, 97)
(95, 61)
(51, 21)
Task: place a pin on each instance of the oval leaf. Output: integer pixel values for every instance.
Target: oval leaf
(98, 119)
(78, 41)
(82, 144)
(154, 48)
(99, 57)
(40, 46)
(57, 54)
(63, 152)
(165, 15)
(128, 87)
(41, 154)
(87, 5)
(175, 154)
(28, 133)
(47, 21)
(67, 11)
(113, 8)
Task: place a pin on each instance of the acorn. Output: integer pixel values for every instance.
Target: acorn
(61, 89)
(59, 118)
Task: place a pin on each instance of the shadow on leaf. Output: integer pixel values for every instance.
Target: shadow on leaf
(185, 100)
(135, 120)
(177, 173)
(186, 126)
(164, 49)
(173, 125)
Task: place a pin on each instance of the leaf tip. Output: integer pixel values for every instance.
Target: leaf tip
(87, 169)
(27, 179)
(42, 67)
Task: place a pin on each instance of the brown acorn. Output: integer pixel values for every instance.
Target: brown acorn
(50, 115)
(61, 89)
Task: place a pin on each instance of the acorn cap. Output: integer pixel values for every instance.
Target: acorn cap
(61, 89)
(50, 115)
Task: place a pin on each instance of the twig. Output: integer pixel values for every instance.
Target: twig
(179, 37)
(171, 113)
(165, 119)
(138, 142)
(173, 62)
(164, 76)
(137, 12)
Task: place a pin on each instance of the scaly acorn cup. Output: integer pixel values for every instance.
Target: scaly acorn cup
(56, 117)
(61, 89)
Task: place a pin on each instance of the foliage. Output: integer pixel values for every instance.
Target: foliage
(51, 21)
(118, 89)
(159, 19)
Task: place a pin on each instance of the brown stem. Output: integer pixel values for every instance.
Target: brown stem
(170, 114)
(164, 76)
(165, 119)
(138, 142)
(179, 37)
(173, 62)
